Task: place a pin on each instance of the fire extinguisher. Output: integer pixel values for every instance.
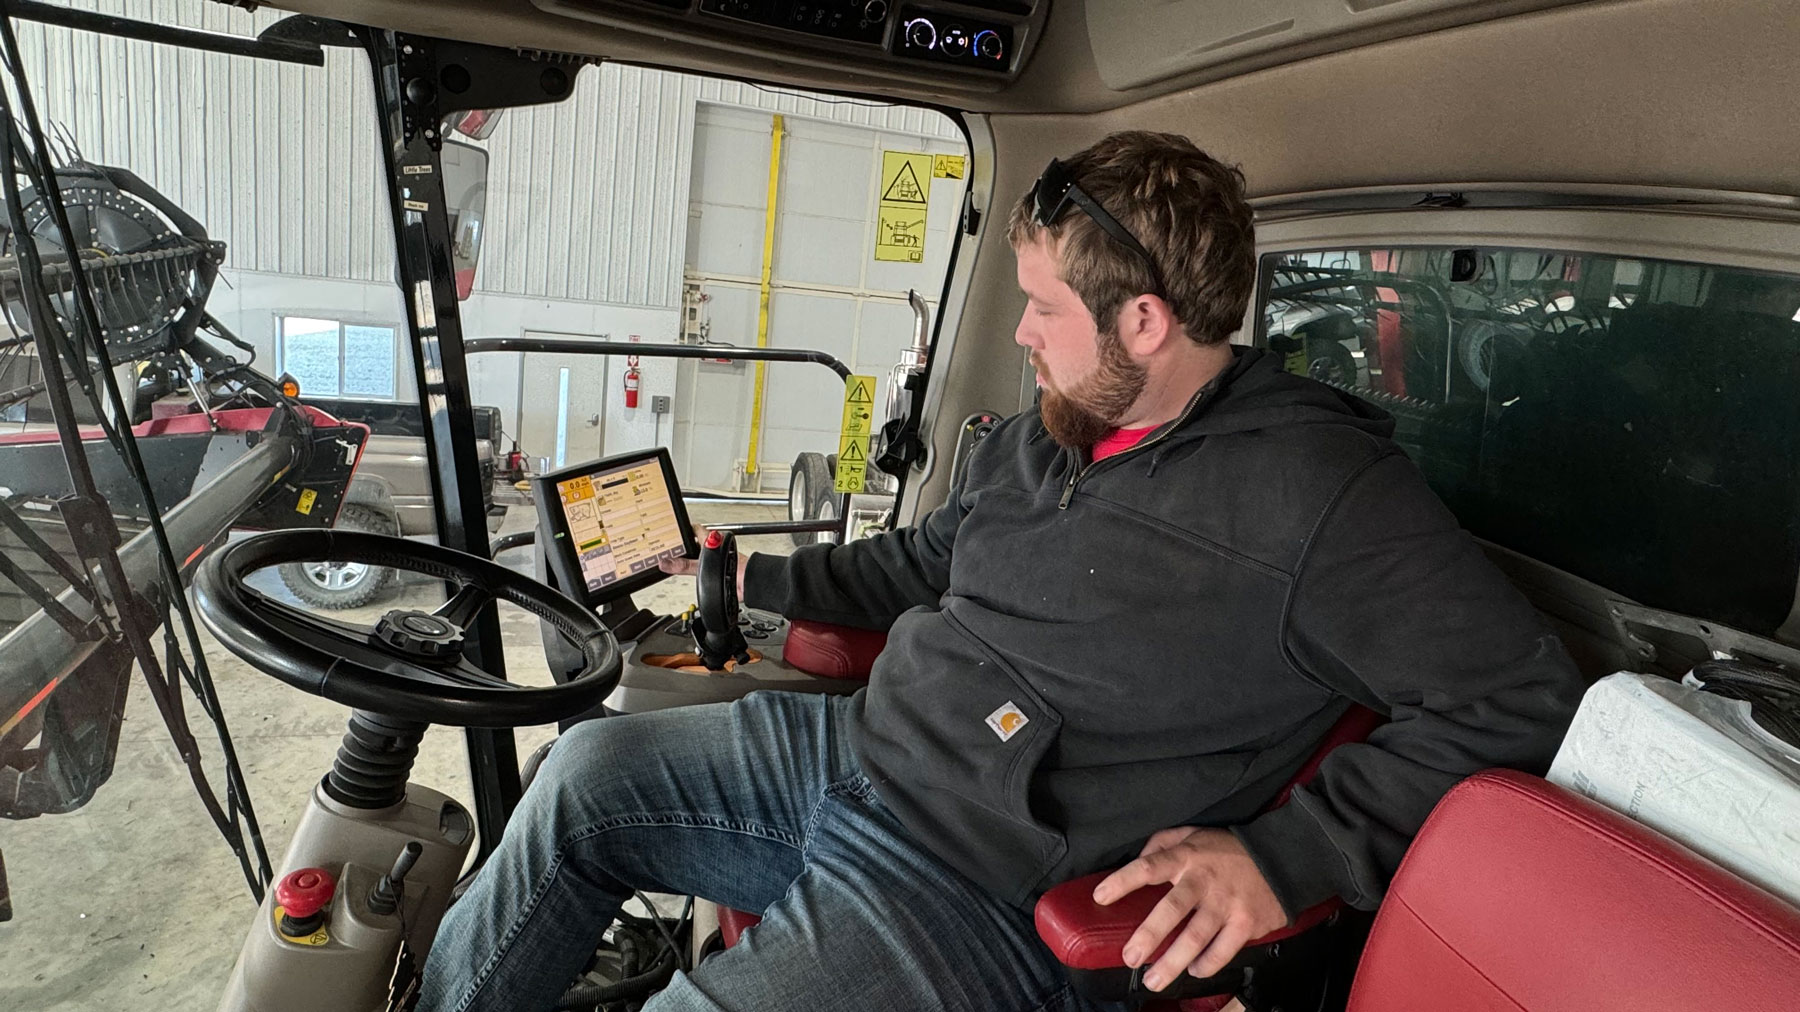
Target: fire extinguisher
(631, 381)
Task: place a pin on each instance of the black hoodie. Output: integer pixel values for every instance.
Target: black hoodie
(1081, 654)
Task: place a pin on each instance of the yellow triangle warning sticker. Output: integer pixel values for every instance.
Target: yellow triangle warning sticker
(904, 188)
(852, 452)
(859, 393)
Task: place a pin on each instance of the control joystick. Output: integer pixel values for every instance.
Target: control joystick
(717, 638)
(385, 897)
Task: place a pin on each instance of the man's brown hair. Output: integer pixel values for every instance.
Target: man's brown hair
(1185, 207)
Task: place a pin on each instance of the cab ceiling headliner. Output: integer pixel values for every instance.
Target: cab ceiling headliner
(1702, 93)
(1094, 54)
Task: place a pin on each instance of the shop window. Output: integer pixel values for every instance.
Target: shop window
(331, 358)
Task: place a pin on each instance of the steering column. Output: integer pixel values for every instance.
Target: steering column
(374, 857)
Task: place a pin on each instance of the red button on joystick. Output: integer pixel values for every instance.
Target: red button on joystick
(303, 893)
(714, 539)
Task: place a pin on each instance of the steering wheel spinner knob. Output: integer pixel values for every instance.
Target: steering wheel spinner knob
(419, 633)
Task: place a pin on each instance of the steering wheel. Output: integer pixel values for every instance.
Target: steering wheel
(410, 665)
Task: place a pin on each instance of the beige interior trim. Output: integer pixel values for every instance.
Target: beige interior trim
(946, 402)
(1411, 192)
(1145, 42)
(1697, 237)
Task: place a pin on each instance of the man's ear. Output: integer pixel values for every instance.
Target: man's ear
(1146, 325)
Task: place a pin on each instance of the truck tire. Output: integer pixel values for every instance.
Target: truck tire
(335, 586)
(809, 485)
(828, 508)
(1330, 362)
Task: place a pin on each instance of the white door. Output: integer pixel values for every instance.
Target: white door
(562, 407)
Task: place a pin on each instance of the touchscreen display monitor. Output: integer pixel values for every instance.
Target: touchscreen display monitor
(612, 521)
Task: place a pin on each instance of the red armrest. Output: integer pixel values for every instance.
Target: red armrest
(832, 651)
(1087, 936)
(1083, 935)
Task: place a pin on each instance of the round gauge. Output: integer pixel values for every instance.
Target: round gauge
(921, 34)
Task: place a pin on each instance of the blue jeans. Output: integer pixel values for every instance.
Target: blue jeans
(757, 805)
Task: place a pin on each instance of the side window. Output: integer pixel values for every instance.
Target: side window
(330, 358)
(1630, 421)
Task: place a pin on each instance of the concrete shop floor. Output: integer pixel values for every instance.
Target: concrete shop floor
(135, 901)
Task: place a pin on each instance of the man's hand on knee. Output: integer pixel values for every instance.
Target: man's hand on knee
(1214, 878)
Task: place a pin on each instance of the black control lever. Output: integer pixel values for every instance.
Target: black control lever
(385, 897)
(716, 635)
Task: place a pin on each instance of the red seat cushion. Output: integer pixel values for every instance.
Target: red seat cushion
(832, 651)
(733, 923)
(1354, 726)
(1520, 896)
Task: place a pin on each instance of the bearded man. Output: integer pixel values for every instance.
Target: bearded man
(1135, 617)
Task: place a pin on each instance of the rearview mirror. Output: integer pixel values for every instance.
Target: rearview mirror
(465, 200)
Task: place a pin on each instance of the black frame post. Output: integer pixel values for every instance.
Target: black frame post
(410, 116)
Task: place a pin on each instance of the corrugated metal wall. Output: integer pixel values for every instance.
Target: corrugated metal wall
(588, 199)
(276, 160)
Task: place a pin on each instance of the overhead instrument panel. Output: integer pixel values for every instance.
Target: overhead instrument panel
(962, 43)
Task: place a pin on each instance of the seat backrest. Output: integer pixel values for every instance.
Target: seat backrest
(1520, 896)
(1353, 727)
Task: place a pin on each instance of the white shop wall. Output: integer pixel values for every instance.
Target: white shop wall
(251, 304)
(828, 291)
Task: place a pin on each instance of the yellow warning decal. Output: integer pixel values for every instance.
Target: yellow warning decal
(307, 498)
(900, 234)
(905, 199)
(859, 406)
(315, 939)
(853, 434)
(905, 178)
(948, 166)
(853, 464)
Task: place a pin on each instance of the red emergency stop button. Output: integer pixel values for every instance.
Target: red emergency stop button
(714, 539)
(305, 892)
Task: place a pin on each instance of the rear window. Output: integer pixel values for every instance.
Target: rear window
(1634, 422)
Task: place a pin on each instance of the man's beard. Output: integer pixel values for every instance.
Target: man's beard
(1090, 410)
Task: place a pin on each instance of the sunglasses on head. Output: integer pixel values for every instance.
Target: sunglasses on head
(1056, 189)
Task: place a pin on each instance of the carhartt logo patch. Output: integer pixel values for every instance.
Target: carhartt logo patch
(1007, 720)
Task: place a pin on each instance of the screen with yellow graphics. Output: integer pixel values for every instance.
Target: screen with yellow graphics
(614, 520)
